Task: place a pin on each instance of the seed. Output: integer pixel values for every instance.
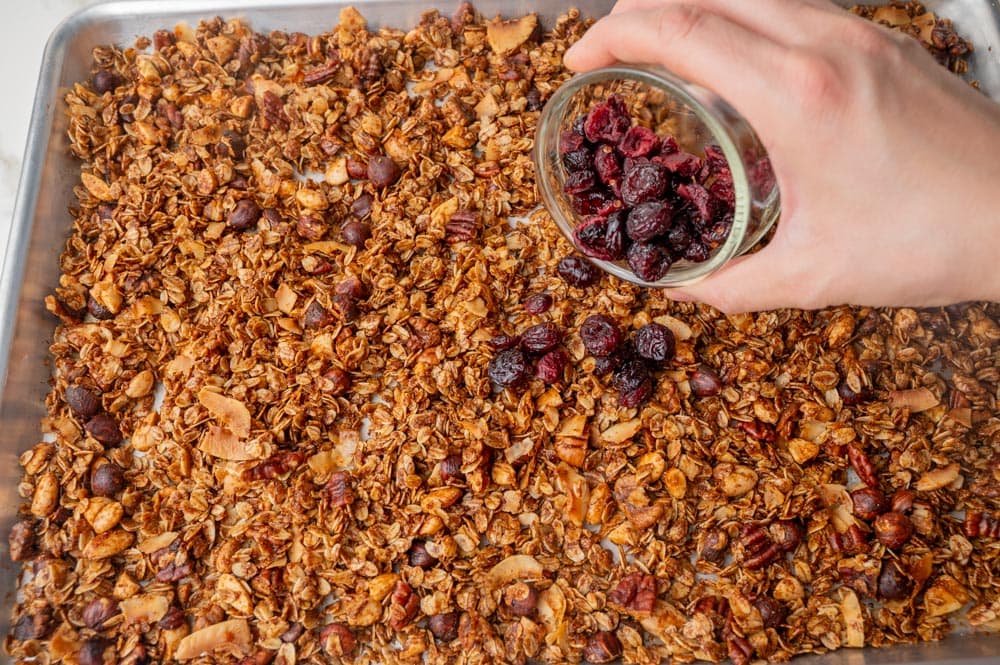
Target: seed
(382, 171)
(356, 234)
(244, 215)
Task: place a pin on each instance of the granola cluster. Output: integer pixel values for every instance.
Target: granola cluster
(272, 437)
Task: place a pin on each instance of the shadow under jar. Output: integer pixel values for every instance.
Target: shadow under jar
(701, 143)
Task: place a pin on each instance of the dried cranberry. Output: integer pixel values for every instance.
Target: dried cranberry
(605, 364)
(606, 164)
(649, 262)
(716, 234)
(697, 252)
(538, 303)
(772, 612)
(615, 240)
(699, 197)
(595, 202)
(643, 181)
(540, 338)
(678, 237)
(580, 181)
(715, 158)
(503, 342)
(668, 146)
(533, 100)
(508, 368)
(577, 271)
(633, 383)
(600, 335)
(654, 342)
(570, 141)
(649, 220)
(577, 160)
(551, 366)
(607, 122)
(638, 142)
(761, 176)
(683, 164)
(849, 397)
(723, 189)
(591, 237)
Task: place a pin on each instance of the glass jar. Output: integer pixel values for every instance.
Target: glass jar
(696, 118)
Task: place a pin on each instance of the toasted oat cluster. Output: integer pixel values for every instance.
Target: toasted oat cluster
(272, 436)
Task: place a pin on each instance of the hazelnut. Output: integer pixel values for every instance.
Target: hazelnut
(419, 557)
(868, 503)
(772, 612)
(602, 647)
(893, 583)
(105, 429)
(713, 547)
(92, 651)
(356, 234)
(451, 468)
(902, 500)
(893, 529)
(337, 639)
(98, 611)
(106, 479)
(83, 402)
(521, 599)
(444, 626)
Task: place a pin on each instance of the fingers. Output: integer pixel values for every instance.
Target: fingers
(787, 22)
(753, 283)
(696, 44)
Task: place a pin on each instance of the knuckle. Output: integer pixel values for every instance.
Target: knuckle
(871, 40)
(820, 83)
(680, 22)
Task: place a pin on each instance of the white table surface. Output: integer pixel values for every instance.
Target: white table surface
(23, 33)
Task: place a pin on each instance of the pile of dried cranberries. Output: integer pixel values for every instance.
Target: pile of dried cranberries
(641, 198)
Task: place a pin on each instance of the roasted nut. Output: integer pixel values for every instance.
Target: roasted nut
(293, 633)
(382, 171)
(521, 599)
(356, 234)
(173, 619)
(893, 529)
(403, 605)
(451, 468)
(705, 382)
(636, 593)
(862, 466)
(337, 639)
(759, 550)
(335, 381)
(338, 488)
(893, 583)
(714, 544)
(82, 401)
(444, 626)
(419, 556)
(244, 215)
(22, 540)
(106, 479)
(786, 534)
(772, 612)
(92, 651)
(978, 523)
(105, 429)
(34, 625)
(310, 227)
(902, 501)
(353, 287)
(98, 611)
(46, 496)
(602, 647)
(868, 503)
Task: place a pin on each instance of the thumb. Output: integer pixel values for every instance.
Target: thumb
(752, 283)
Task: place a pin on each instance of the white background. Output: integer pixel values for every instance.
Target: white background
(24, 29)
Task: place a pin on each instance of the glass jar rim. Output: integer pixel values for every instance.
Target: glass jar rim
(699, 100)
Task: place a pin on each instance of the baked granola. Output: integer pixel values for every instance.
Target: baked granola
(271, 437)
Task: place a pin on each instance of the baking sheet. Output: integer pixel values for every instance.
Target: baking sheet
(41, 221)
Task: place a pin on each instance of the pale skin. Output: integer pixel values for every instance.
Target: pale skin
(889, 165)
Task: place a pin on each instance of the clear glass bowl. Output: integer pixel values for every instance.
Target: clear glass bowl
(696, 118)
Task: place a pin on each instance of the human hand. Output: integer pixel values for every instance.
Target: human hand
(888, 164)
